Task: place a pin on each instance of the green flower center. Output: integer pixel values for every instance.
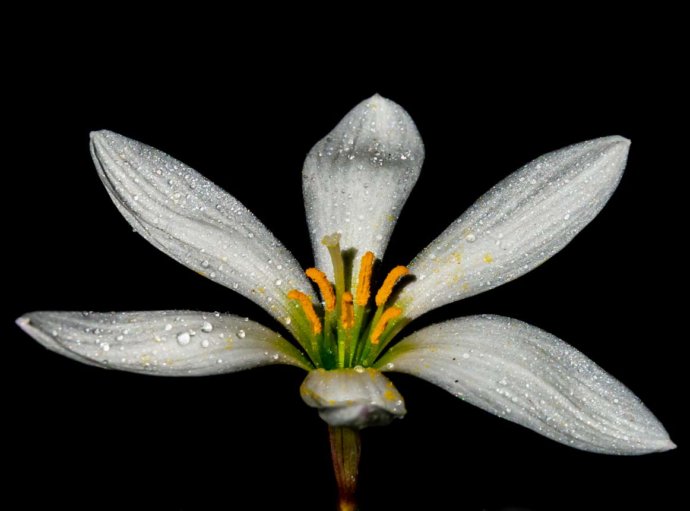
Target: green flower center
(347, 330)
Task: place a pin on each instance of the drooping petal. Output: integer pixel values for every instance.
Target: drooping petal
(530, 377)
(165, 343)
(357, 179)
(517, 225)
(353, 398)
(195, 222)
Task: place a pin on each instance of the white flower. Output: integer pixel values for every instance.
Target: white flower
(356, 181)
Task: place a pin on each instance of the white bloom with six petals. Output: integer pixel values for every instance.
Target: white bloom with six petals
(356, 181)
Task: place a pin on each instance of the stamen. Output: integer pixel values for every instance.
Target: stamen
(389, 314)
(391, 280)
(325, 287)
(347, 313)
(308, 309)
(366, 266)
(332, 243)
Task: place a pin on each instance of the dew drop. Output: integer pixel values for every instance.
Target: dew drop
(205, 263)
(105, 346)
(279, 282)
(288, 320)
(119, 338)
(359, 369)
(168, 327)
(205, 343)
(241, 334)
(465, 355)
(207, 327)
(470, 238)
(183, 338)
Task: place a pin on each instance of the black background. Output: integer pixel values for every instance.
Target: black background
(91, 438)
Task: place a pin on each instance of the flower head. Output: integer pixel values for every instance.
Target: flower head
(356, 181)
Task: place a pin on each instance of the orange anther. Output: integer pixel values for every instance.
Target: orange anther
(389, 314)
(325, 287)
(391, 280)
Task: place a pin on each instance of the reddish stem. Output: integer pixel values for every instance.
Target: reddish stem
(345, 453)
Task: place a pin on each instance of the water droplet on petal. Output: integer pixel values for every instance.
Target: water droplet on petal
(207, 327)
(183, 338)
(205, 343)
(105, 346)
(359, 369)
(241, 334)
(205, 263)
(168, 327)
(470, 238)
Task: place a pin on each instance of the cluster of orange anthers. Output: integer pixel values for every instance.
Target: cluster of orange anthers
(345, 316)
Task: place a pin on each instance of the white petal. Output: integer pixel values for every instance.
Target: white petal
(353, 398)
(358, 177)
(517, 225)
(165, 343)
(530, 377)
(195, 222)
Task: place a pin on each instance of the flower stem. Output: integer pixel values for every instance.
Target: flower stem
(345, 452)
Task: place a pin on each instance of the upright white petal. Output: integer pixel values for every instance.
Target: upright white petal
(195, 222)
(164, 343)
(358, 177)
(530, 377)
(517, 225)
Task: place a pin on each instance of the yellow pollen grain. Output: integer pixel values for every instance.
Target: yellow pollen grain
(319, 278)
(389, 314)
(366, 266)
(389, 395)
(308, 309)
(391, 280)
(347, 311)
(488, 258)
